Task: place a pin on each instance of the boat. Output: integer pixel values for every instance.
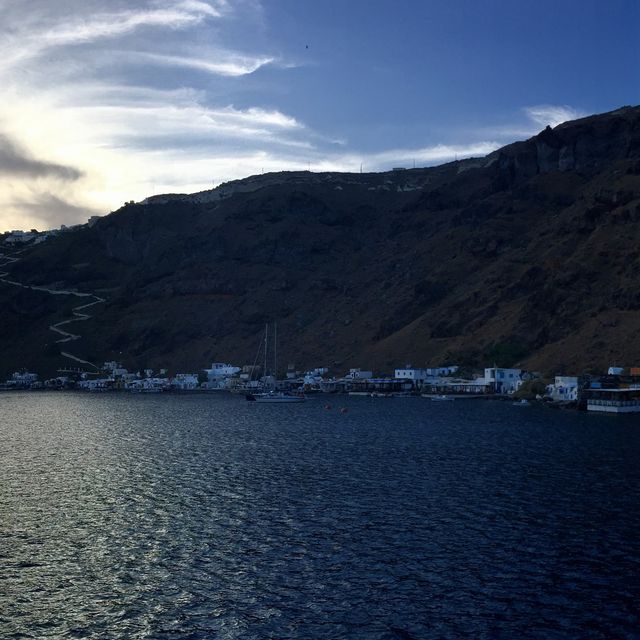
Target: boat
(441, 398)
(522, 403)
(275, 397)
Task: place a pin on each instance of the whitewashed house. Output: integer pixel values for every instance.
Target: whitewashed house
(22, 380)
(115, 368)
(219, 376)
(420, 376)
(315, 377)
(437, 372)
(358, 374)
(564, 389)
(17, 236)
(221, 370)
(185, 381)
(503, 380)
(417, 376)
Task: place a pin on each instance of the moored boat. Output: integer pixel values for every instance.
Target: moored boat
(275, 397)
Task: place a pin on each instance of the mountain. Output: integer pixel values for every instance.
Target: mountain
(528, 255)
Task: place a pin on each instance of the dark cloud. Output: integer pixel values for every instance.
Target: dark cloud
(16, 161)
(54, 211)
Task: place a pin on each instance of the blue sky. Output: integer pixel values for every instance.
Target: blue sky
(106, 101)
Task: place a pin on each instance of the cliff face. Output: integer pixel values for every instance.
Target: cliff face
(529, 255)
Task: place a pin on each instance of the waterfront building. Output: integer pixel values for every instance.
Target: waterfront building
(621, 400)
(148, 385)
(221, 370)
(314, 377)
(503, 380)
(564, 389)
(436, 372)
(451, 386)
(185, 381)
(417, 376)
(359, 374)
(22, 380)
(115, 369)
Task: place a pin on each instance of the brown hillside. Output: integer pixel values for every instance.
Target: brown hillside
(529, 255)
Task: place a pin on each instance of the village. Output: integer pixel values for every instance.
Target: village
(617, 391)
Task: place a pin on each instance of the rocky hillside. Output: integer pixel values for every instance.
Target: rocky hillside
(529, 255)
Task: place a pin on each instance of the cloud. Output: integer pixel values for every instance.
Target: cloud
(552, 115)
(75, 30)
(48, 210)
(432, 154)
(16, 161)
(152, 96)
(228, 65)
(535, 118)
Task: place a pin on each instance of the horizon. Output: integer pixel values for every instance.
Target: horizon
(108, 102)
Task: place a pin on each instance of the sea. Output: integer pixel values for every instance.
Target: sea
(206, 516)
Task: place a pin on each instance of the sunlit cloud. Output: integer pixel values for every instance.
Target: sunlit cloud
(15, 161)
(552, 115)
(77, 30)
(431, 155)
(535, 118)
(106, 102)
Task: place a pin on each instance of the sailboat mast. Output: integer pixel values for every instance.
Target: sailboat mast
(266, 345)
(275, 351)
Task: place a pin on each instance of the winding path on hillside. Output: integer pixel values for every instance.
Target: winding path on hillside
(78, 311)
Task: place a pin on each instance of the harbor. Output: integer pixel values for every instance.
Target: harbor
(617, 391)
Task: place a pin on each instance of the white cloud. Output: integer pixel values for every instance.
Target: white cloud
(430, 155)
(70, 30)
(117, 111)
(235, 65)
(552, 115)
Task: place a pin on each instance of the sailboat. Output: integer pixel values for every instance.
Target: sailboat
(273, 396)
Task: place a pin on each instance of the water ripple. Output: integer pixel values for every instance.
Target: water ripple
(209, 517)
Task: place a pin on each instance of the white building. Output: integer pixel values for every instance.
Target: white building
(148, 385)
(17, 236)
(115, 368)
(436, 372)
(564, 389)
(99, 384)
(22, 380)
(221, 370)
(358, 374)
(185, 381)
(315, 377)
(222, 376)
(614, 400)
(503, 380)
(417, 376)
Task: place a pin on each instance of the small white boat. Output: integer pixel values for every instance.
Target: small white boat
(275, 397)
(522, 403)
(441, 398)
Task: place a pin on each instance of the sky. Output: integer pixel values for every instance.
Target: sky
(106, 101)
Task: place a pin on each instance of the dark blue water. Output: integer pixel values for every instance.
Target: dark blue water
(168, 517)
